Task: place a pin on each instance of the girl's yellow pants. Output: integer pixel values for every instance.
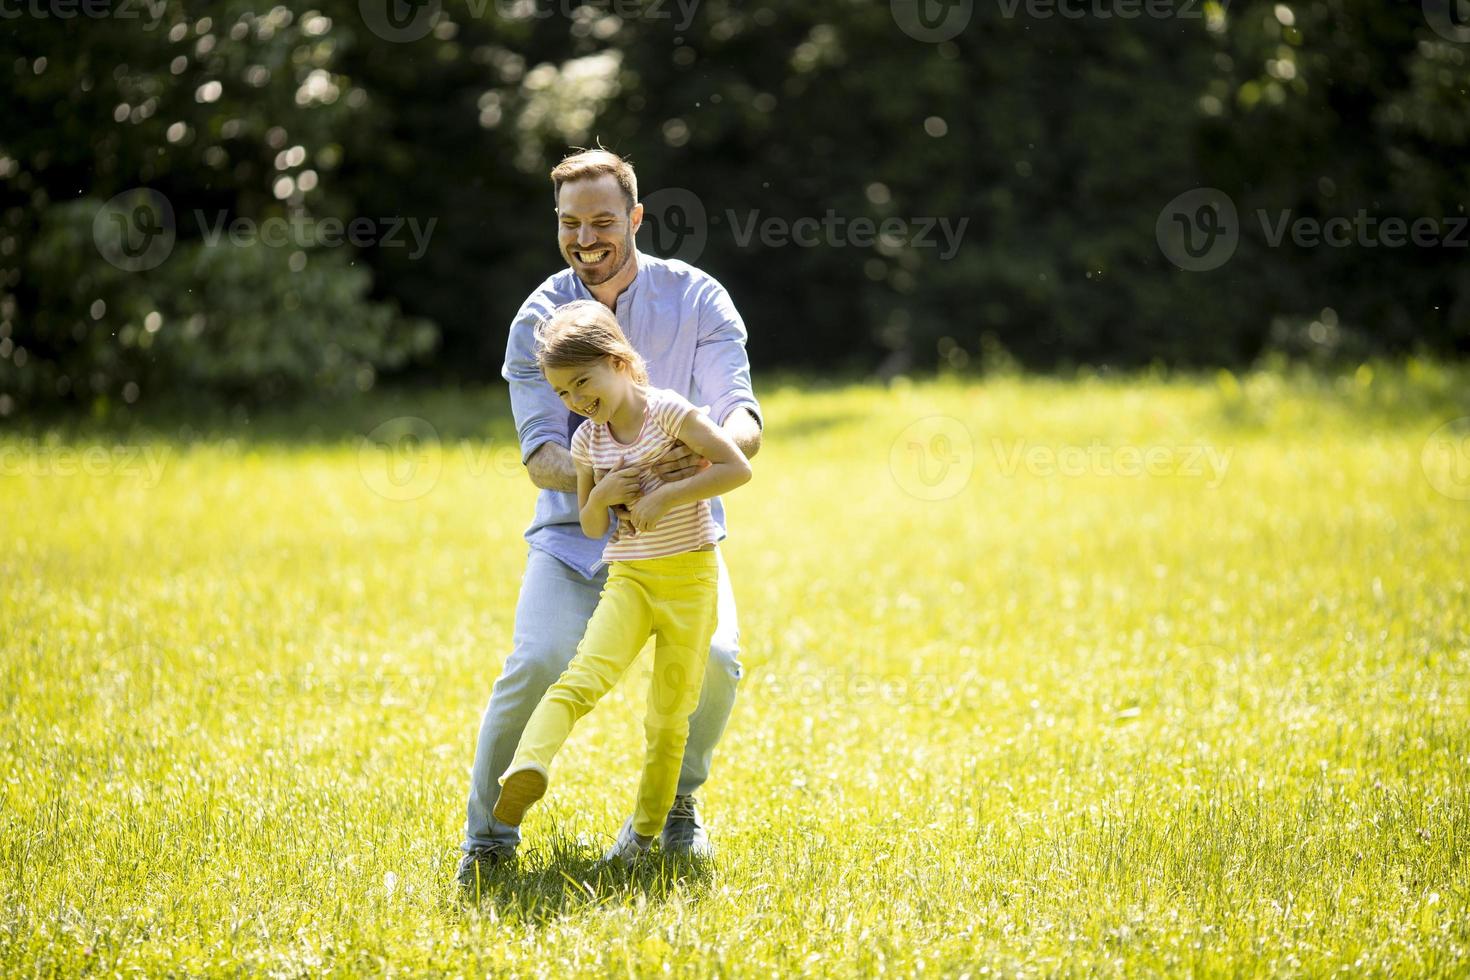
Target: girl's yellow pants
(673, 598)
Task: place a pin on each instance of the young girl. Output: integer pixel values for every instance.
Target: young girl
(662, 572)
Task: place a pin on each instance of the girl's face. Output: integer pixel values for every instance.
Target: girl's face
(595, 389)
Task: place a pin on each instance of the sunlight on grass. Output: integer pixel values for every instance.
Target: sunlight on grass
(1041, 676)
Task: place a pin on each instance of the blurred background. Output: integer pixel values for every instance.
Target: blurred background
(231, 202)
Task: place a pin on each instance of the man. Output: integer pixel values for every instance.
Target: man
(685, 326)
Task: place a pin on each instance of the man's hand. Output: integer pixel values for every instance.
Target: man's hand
(616, 486)
(678, 462)
(648, 510)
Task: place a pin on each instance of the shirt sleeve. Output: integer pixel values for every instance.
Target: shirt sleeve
(582, 444)
(669, 409)
(721, 367)
(539, 414)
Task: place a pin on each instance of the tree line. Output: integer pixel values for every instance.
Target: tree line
(241, 200)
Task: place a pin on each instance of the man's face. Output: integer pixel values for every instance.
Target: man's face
(595, 229)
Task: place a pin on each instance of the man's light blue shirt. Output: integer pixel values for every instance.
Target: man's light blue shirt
(683, 323)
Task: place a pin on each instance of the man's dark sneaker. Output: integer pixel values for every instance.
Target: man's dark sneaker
(629, 848)
(684, 834)
(475, 866)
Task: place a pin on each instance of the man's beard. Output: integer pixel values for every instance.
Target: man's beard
(627, 255)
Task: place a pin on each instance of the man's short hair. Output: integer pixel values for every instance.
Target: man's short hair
(587, 164)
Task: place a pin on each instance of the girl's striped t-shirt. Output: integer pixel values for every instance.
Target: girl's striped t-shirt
(686, 527)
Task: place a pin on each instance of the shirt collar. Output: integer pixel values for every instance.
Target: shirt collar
(627, 295)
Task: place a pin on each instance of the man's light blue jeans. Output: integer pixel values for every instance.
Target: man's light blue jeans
(551, 616)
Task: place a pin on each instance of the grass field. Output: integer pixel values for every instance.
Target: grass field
(1096, 676)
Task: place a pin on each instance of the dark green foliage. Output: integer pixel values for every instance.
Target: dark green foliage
(1047, 146)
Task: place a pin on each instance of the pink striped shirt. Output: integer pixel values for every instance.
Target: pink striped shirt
(686, 527)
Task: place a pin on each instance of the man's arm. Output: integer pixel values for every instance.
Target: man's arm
(541, 418)
(721, 379)
(745, 429)
(721, 366)
(551, 468)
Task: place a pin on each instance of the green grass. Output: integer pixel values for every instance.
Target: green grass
(1034, 715)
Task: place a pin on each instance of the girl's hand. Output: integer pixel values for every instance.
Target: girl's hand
(648, 510)
(617, 486)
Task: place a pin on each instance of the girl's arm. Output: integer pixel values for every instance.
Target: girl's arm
(728, 469)
(591, 512)
(595, 496)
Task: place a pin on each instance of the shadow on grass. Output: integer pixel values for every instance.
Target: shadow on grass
(1270, 397)
(564, 878)
(451, 414)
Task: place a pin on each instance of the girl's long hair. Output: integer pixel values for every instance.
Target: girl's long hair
(582, 332)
